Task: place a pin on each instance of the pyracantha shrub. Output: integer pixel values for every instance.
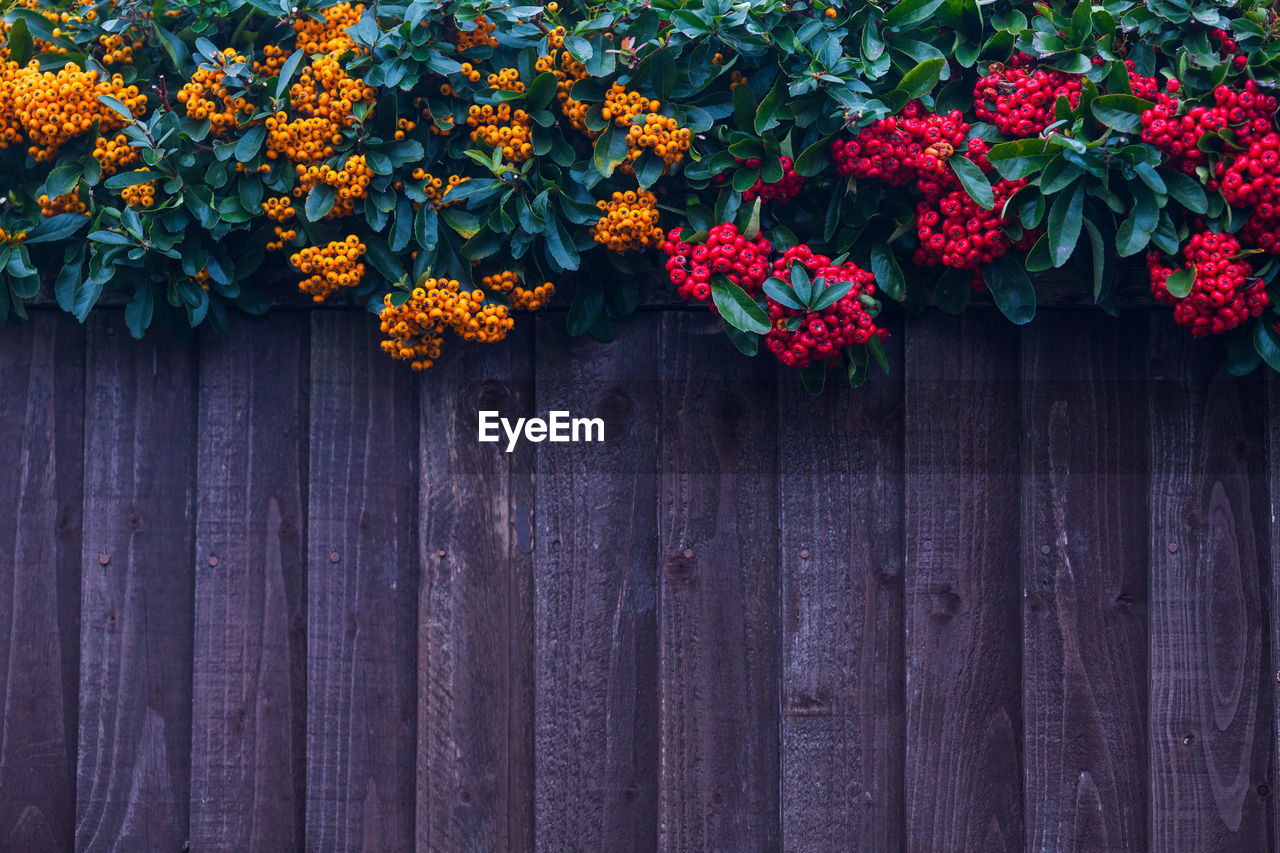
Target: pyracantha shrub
(796, 167)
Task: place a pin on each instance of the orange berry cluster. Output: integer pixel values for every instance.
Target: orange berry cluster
(12, 239)
(272, 62)
(207, 97)
(139, 195)
(415, 329)
(323, 99)
(506, 80)
(10, 127)
(69, 203)
(114, 153)
(53, 109)
(330, 267)
(568, 72)
(630, 222)
(436, 189)
(116, 51)
(621, 105)
(521, 298)
(467, 70)
(502, 127)
(280, 210)
(481, 36)
(660, 134)
(329, 34)
(203, 279)
(351, 182)
(501, 281)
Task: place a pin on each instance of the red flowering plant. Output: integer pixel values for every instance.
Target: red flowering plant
(798, 167)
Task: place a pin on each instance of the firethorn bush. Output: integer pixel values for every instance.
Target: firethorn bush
(796, 167)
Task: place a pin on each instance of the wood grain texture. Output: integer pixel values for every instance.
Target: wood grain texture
(249, 680)
(1211, 717)
(596, 578)
(41, 449)
(843, 747)
(475, 606)
(362, 590)
(718, 604)
(134, 782)
(964, 714)
(1084, 573)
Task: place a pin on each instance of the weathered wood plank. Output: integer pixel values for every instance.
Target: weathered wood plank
(1211, 717)
(41, 449)
(718, 605)
(249, 680)
(1084, 576)
(842, 632)
(596, 580)
(475, 605)
(964, 715)
(362, 588)
(1272, 589)
(136, 595)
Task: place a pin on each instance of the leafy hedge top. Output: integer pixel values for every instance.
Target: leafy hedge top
(793, 164)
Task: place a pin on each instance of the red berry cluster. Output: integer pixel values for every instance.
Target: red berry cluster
(1249, 113)
(1227, 47)
(1221, 297)
(1019, 101)
(904, 149)
(780, 191)
(956, 232)
(821, 335)
(690, 267)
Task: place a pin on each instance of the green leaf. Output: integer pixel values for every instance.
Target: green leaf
(578, 47)
(1011, 289)
(780, 291)
(587, 305)
(814, 159)
(889, 278)
(385, 261)
(251, 143)
(610, 150)
(1121, 112)
(117, 107)
(767, 114)
(801, 283)
(814, 377)
(858, 367)
(744, 108)
(21, 45)
(1186, 191)
(1064, 224)
(287, 71)
(1082, 22)
(910, 12)
(974, 182)
(138, 313)
(833, 293)
(919, 80)
(1179, 282)
(62, 179)
(319, 202)
(876, 349)
(561, 247)
(747, 343)
(737, 308)
(541, 91)
(1267, 343)
(55, 228)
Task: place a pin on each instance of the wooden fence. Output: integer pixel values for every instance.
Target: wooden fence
(268, 592)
